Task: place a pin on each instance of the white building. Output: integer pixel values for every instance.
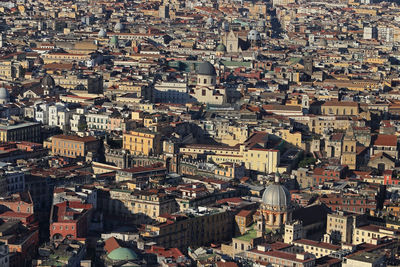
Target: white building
(77, 118)
(171, 92)
(205, 90)
(59, 115)
(42, 113)
(15, 179)
(97, 121)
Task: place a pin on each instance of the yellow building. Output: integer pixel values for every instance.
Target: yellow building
(369, 232)
(231, 135)
(73, 146)
(142, 142)
(340, 108)
(261, 160)
(256, 159)
(140, 205)
(181, 230)
(292, 138)
(64, 57)
(26, 131)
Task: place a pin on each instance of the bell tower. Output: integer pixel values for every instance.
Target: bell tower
(349, 147)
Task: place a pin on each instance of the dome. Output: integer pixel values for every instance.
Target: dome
(210, 20)
(114, 40)
(122, 254)
(48, 81)
(119, 26)
(206, 68)
(276, 195)
(253, 35)
(4, 95)
(102, 33)
(261, 23)
(221, 48)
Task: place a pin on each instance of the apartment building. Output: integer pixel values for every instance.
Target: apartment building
(142, 142)
(73, 146)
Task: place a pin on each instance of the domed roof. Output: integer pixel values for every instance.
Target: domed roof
(121, 254)
(221, 48)
(119, 26)
(48, 81)
(4, 93)
(206, 68)
(253, 35)
(261, 23)
(210, 20)
(114, 39)
(276, 195)
(102, 33)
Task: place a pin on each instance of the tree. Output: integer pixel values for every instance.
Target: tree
(82, 126)
(307, 162)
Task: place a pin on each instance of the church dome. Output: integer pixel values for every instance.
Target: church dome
(119, 26)
(221, 48)
(253, 35)
(206, 68)
(261, 23)
(4, 95)
(210, 21)
(114, 40)
(47, 81)
(121, 254)
(276, 195)
(102, 33)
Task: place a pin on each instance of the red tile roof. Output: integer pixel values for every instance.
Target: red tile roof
(385, 140)
(111, 244)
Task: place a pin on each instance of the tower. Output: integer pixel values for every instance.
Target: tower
(261, 227)
(349, 153)
(231, 42)
(1, 40)
(293, 231)
(308, 65)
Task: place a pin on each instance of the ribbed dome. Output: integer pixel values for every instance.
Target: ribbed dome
(221, 48)
(4, 93)
(121, 254)
(206, 68)
(48, 81)
(276, 195)
(253, 35)
(261, 23)
(102, 33)
(114, 39)
(119, 26)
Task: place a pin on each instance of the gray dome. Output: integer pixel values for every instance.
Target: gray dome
(48, 81)
(261, 23)
(253, 35)
(102, 33)
(276, 195)
(4, 95)
(206, 68)
(119, 26)
(210, 20)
